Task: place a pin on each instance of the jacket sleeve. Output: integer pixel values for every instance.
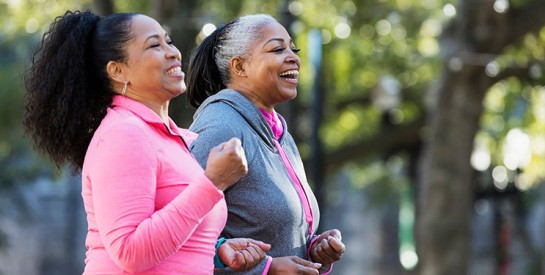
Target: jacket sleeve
(124, 176)
(212, 130)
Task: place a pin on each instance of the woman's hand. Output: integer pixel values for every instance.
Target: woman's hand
(226, 164)
(241, 254)
(293, 265)
(328, 248)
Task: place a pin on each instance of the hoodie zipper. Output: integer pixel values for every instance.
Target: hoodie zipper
(307, 209)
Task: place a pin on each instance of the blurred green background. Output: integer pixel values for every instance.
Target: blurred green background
(421, 124)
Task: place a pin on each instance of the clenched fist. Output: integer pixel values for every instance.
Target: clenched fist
(226, 164)
(241, 254)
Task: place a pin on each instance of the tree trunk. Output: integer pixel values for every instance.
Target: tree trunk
(476, 37)
(445, 198)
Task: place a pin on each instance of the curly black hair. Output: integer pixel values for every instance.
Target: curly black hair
(68, 89)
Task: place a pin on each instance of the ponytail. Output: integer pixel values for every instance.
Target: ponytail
(203, 75)
(209, 67)
(68, 90)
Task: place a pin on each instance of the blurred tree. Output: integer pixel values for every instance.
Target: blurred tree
(472, 45)
(379, 58)
(391, 81)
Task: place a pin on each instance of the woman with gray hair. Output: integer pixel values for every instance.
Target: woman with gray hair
(236, 77)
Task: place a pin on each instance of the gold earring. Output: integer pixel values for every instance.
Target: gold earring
(125, 88)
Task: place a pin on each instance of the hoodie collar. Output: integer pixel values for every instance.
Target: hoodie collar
(247, 110)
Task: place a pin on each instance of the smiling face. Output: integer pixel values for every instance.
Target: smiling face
(153, 66)
(270, 71)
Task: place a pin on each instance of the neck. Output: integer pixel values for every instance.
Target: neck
(162, 111)
(159, 107)
(258, 101)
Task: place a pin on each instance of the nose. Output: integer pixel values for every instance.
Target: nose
(174, 53)
(293, 58)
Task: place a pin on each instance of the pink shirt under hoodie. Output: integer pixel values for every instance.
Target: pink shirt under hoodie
(277, 130)
(150, 208)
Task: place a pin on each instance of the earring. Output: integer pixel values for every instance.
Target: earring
(125, 88)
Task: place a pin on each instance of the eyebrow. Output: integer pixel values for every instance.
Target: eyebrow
(155, 36)
(276, 39)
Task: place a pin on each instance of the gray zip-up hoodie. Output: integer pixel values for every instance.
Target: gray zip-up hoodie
(263, 205)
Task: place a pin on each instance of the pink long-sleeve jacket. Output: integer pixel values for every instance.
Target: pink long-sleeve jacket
(150, 208)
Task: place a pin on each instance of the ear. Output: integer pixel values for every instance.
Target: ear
(238, 66)
(115, 71)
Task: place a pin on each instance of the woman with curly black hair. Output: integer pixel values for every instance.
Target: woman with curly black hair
(98, 95)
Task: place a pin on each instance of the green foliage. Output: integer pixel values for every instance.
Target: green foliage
(517, 102)
(384, 180)
(132, 6)
(23, 24)
(392, 39)
(381, 39)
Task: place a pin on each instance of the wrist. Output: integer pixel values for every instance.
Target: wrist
(214, 181)
(217, 262)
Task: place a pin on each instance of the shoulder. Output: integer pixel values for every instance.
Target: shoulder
(218, 110)
(218, 117)
(122, 123)
(123, 130)
(216, 123)
(117, 141)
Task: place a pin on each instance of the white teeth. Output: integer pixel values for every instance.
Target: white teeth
(174, 70)
(292, 72)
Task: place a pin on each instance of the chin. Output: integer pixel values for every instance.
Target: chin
(178, 90)
(291, 95)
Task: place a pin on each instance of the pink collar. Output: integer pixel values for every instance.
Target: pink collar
(274, 122)
(149, 116)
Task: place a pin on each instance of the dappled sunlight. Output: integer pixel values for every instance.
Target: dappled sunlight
(517, 150)
(326, 36)
(208, 29)
(351, 124)
(342, 30)
(500, 176)
(501, 6)
(31, 25)
(480, 158)
(428, 46)
(513, 140)
(381, 63)
(367, 31)
(494, 100)
(449, 10)
(296, 8)
(383, 27)
(365, 79)
(349, 121)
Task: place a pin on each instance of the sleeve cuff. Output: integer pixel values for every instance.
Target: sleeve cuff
(310, 245)
(323, 268)
(268, 265)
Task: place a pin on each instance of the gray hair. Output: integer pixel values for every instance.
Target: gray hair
(236, 39)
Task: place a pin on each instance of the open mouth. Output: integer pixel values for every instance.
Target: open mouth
(174, 70)
(292, 74)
